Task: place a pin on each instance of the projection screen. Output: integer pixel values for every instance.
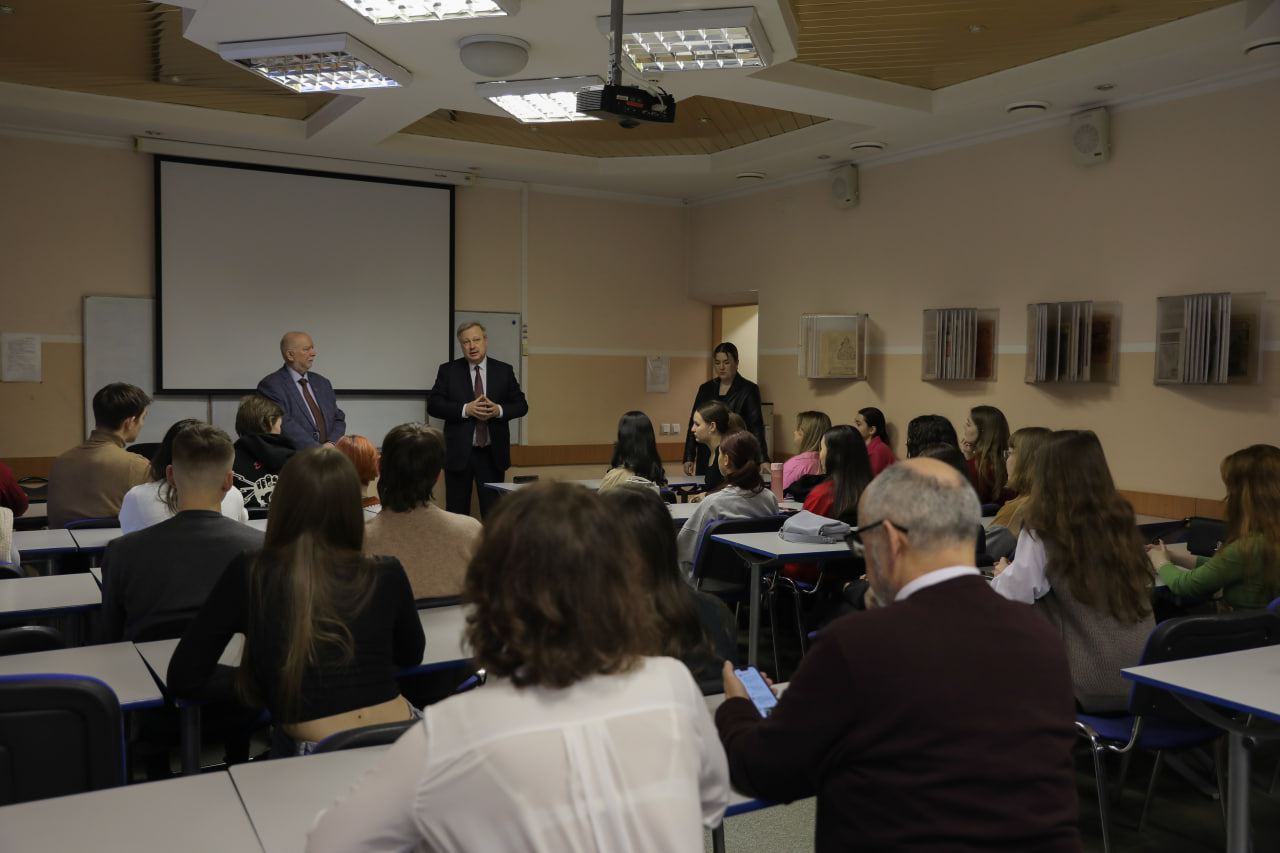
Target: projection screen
(247, 253)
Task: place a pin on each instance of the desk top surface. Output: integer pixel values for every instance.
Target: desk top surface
(1247, 681)
(30, 542)
(117, 664)
(770, 544)
(282, 797)
(594, 485)
(95, 538)
(195, 814)
(44, 594)
(683, 512)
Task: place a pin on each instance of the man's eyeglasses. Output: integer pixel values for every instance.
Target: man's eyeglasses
(855, 533)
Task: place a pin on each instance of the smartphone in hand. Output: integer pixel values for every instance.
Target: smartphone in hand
(758, 690)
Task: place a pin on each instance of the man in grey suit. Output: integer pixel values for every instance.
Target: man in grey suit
(311, 414)
(168, 569)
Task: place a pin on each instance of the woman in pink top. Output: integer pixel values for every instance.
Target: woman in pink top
(810, 428)
(870, 423)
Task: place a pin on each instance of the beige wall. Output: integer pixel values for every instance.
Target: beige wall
(1189, 203)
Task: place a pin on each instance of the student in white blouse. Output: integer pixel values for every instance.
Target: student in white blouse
(580, 740)
(154, 502)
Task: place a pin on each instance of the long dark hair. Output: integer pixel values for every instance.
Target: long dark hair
(993, 441)
(637, 448)
(743, 450)
(310, 579)
(874, 418)
(1089, 533)
(645, 514)
(849, 467)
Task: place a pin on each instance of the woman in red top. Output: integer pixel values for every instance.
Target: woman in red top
(870, 424)
(985, 440)
(844, 459)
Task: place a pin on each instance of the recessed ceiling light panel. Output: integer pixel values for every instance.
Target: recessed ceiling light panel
(554, 99)
(1024, 108)
(693, 41)
(414, 11)
(867, 146)
(328, 63)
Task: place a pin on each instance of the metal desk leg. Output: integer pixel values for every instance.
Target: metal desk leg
(1238, 759)
(189, 716)
(717, 838)
(753, 623)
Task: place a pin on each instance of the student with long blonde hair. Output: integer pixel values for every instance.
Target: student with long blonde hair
(326, 626)
(810, 427)
(1246, 566)
(1080, 561)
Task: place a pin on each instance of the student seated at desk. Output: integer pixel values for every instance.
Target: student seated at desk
(741, 495)
(811, 426)
(326, 627)
(636, 450)
(1080, 562)
(844, 459)
(697, 627)
(583, 739)
(1246, 566)
(156, 501)
(1002, 532)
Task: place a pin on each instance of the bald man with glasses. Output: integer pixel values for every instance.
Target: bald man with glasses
(941, 718)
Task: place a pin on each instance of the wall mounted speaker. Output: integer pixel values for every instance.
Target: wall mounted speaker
(1091, 137)
(844, 186)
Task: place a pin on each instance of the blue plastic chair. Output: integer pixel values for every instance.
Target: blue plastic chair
(1157, 720)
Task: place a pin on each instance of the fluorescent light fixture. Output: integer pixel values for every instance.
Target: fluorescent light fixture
(694, 41)
(413, 11)
(328, 63)
(540, 101)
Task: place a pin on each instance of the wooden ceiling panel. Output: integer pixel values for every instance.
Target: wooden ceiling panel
(132, 49)
(928, 43)
(702, 126)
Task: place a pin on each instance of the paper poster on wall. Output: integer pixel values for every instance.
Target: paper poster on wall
(657, 374)
(19, 358)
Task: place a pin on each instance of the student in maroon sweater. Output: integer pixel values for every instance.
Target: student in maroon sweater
(941, 720)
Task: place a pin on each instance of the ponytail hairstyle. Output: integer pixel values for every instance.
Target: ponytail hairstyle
(743, 451)
(715, 412)
(874, 418)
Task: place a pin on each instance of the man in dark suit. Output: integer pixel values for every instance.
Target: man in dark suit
(476, 397)
(311, 414)
(941, 719)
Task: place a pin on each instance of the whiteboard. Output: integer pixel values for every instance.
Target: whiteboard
(119, 346)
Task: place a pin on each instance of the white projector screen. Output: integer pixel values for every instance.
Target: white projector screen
(247, 253)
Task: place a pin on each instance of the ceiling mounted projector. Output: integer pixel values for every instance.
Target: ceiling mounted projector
(629, 106)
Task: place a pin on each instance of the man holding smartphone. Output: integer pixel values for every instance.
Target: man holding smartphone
(943, 719)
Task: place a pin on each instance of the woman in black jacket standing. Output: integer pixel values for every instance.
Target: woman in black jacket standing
(741, 395)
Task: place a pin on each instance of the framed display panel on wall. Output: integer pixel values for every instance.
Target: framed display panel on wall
(833, 346)
(959, 344)
(1070, 342)
(1209, 339)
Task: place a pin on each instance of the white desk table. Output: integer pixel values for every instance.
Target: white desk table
(594, 485)
(195, 814)
(680, 513)
(93, 541)
(1246, 681)
(43, 542)
(116, 664)
(769, 549)
(39, 596)
(282, 797)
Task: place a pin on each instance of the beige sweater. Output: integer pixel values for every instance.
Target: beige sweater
(433, 545)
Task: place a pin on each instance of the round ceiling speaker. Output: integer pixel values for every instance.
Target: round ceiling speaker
(494, 56)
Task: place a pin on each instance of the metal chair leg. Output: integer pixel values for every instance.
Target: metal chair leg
(1151, 786)
(1100, 777)
(773, 628)
(795, 598)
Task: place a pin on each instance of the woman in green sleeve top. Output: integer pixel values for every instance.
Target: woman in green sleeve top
(1246, 566)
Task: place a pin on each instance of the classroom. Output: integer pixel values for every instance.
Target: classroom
(996, 217)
